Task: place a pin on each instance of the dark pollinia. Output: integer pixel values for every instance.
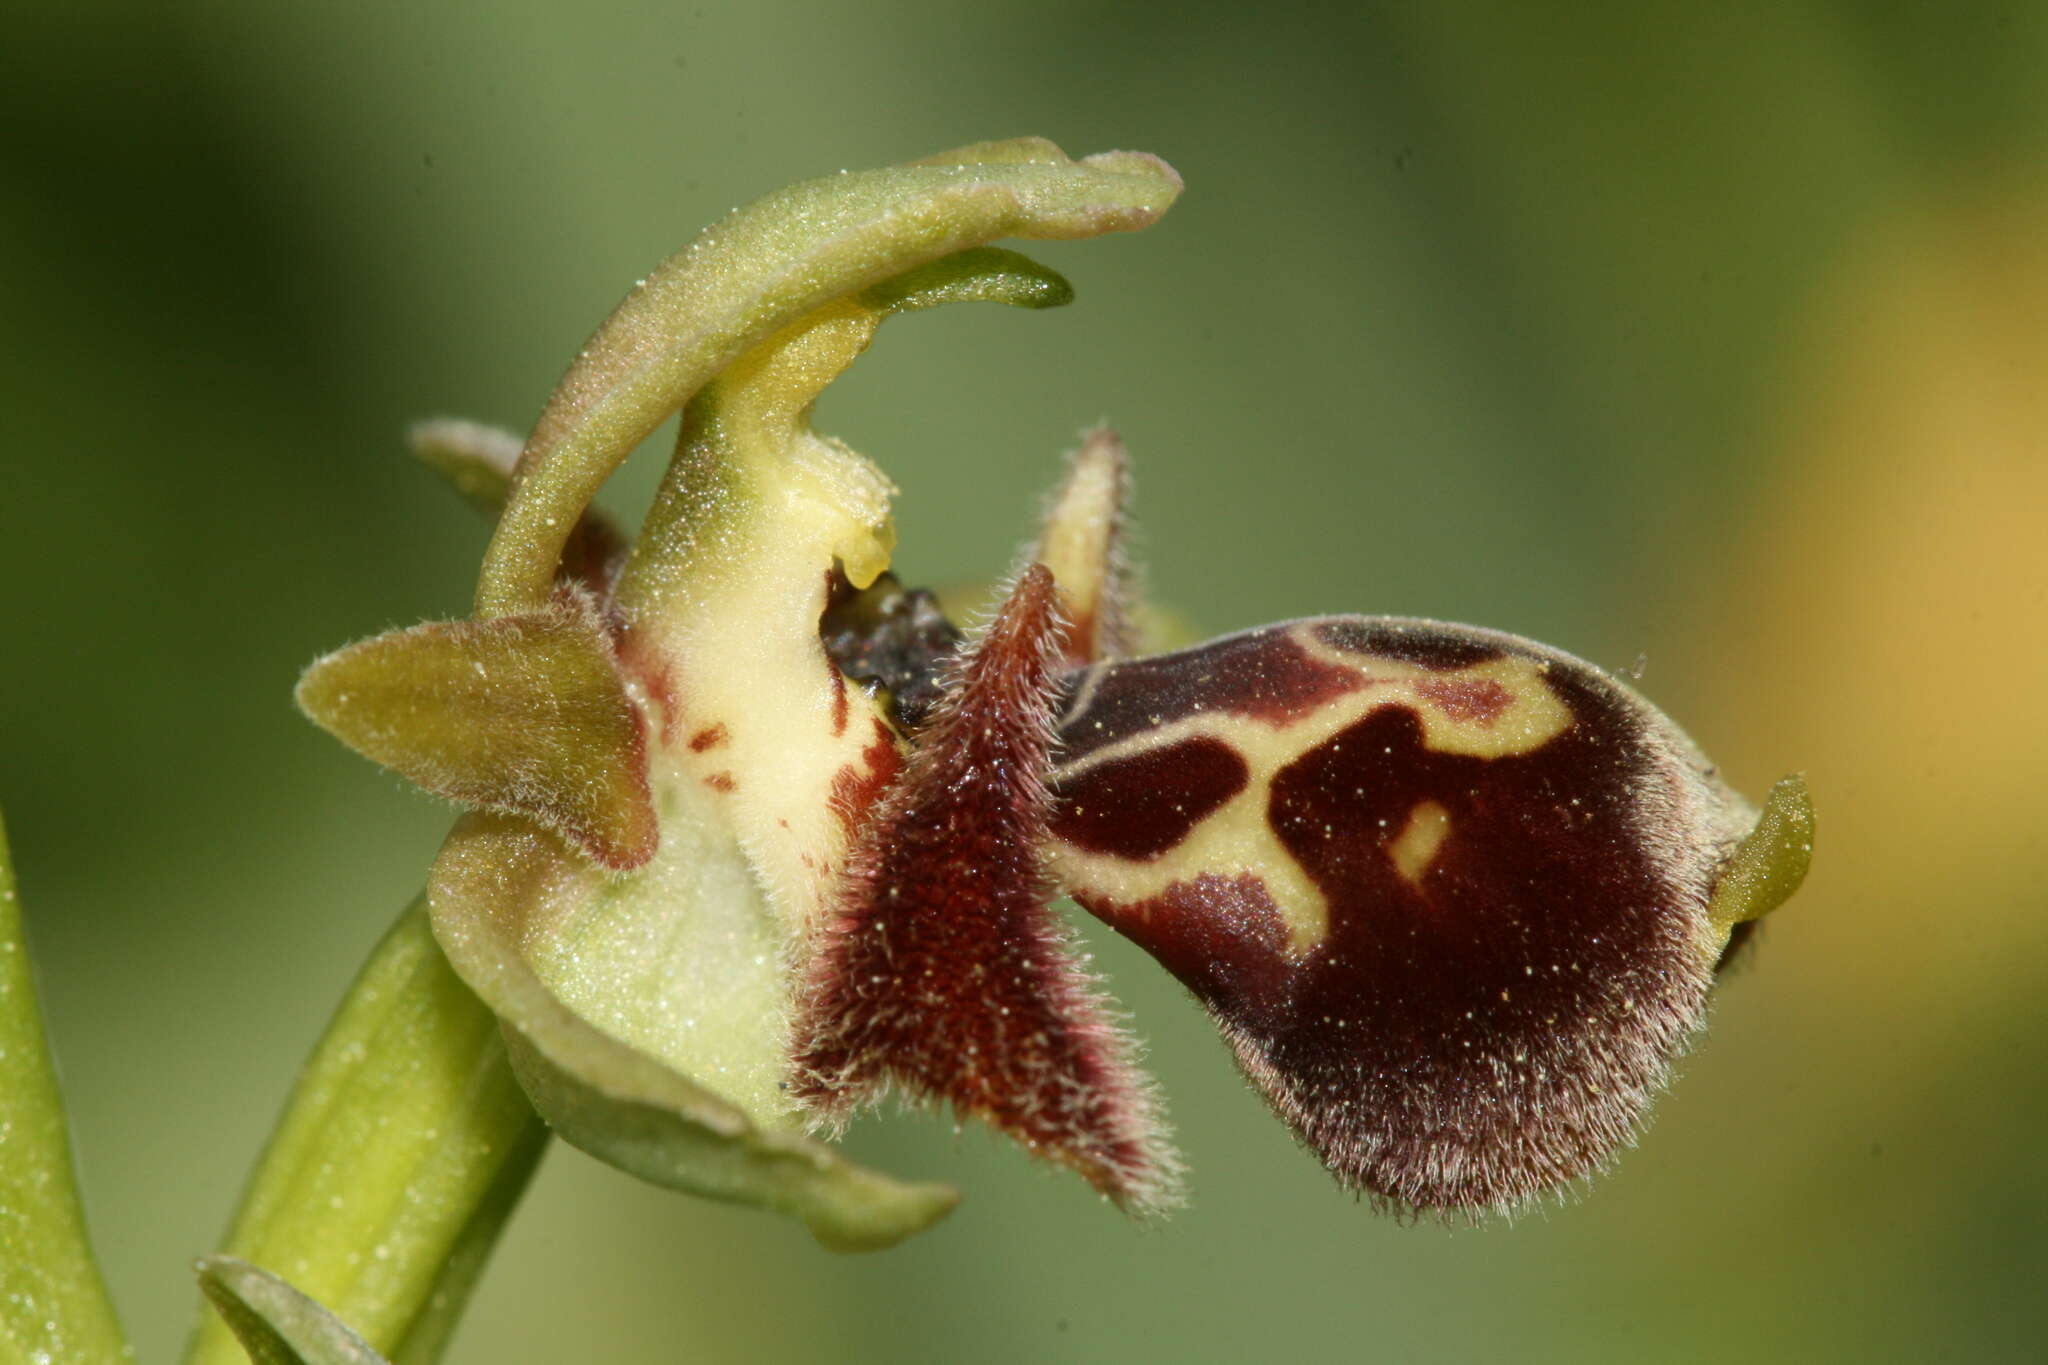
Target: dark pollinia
(893, 637)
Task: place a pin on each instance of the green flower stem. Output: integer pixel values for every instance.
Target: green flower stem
(53, 1303)
(399, 1157)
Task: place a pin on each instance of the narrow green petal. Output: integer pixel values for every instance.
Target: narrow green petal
(758, 270)
(982, 274)
(1082, 542)
(1771, 861)
(276, 1324)
(53, 1303)
(499, 884)
(476, 459)
(521, 713)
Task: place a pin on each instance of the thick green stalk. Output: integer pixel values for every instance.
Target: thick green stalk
(401, 1153)
(53, 1304)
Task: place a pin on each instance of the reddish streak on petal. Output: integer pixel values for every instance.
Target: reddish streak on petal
(1431, 644)
(839, 706)
(592, 553)
(1076, 643)
(1481, 700)
(647, 667)
(856, 787)
(720, 782)
(943, 971)
(709, 738)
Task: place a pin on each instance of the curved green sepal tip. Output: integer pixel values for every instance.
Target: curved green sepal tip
(761, 268)
(1771, 861)
(671, 1132)
(500, 886)
(276, 1324)
(521, 713)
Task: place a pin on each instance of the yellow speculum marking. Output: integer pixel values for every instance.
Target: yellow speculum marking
(1415, 847)
(1239, 839)
(1533, 716)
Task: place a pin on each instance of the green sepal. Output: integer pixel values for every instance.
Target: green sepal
(276, 1324)
(523, 713)
(761, 268)
(1770, 862)
(499, 882)
(658, 1125)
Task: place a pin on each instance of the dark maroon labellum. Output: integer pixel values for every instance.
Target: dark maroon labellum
(1443, 889)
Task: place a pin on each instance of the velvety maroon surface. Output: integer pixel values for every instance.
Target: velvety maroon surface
(1261, 674)
(1462, 1040)
(943, 970)
(1117, 808)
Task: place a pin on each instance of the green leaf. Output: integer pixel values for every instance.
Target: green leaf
(1771, 861)
(401, 1153)
(761, 268)
(275, 1323)
(53, 1303)
(523, 713)
(502, 882)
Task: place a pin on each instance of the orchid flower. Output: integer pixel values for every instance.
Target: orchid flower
(757, 836)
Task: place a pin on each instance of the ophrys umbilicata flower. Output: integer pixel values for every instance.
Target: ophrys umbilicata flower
(757, 838)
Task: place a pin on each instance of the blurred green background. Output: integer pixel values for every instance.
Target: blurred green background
(1715, 336)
